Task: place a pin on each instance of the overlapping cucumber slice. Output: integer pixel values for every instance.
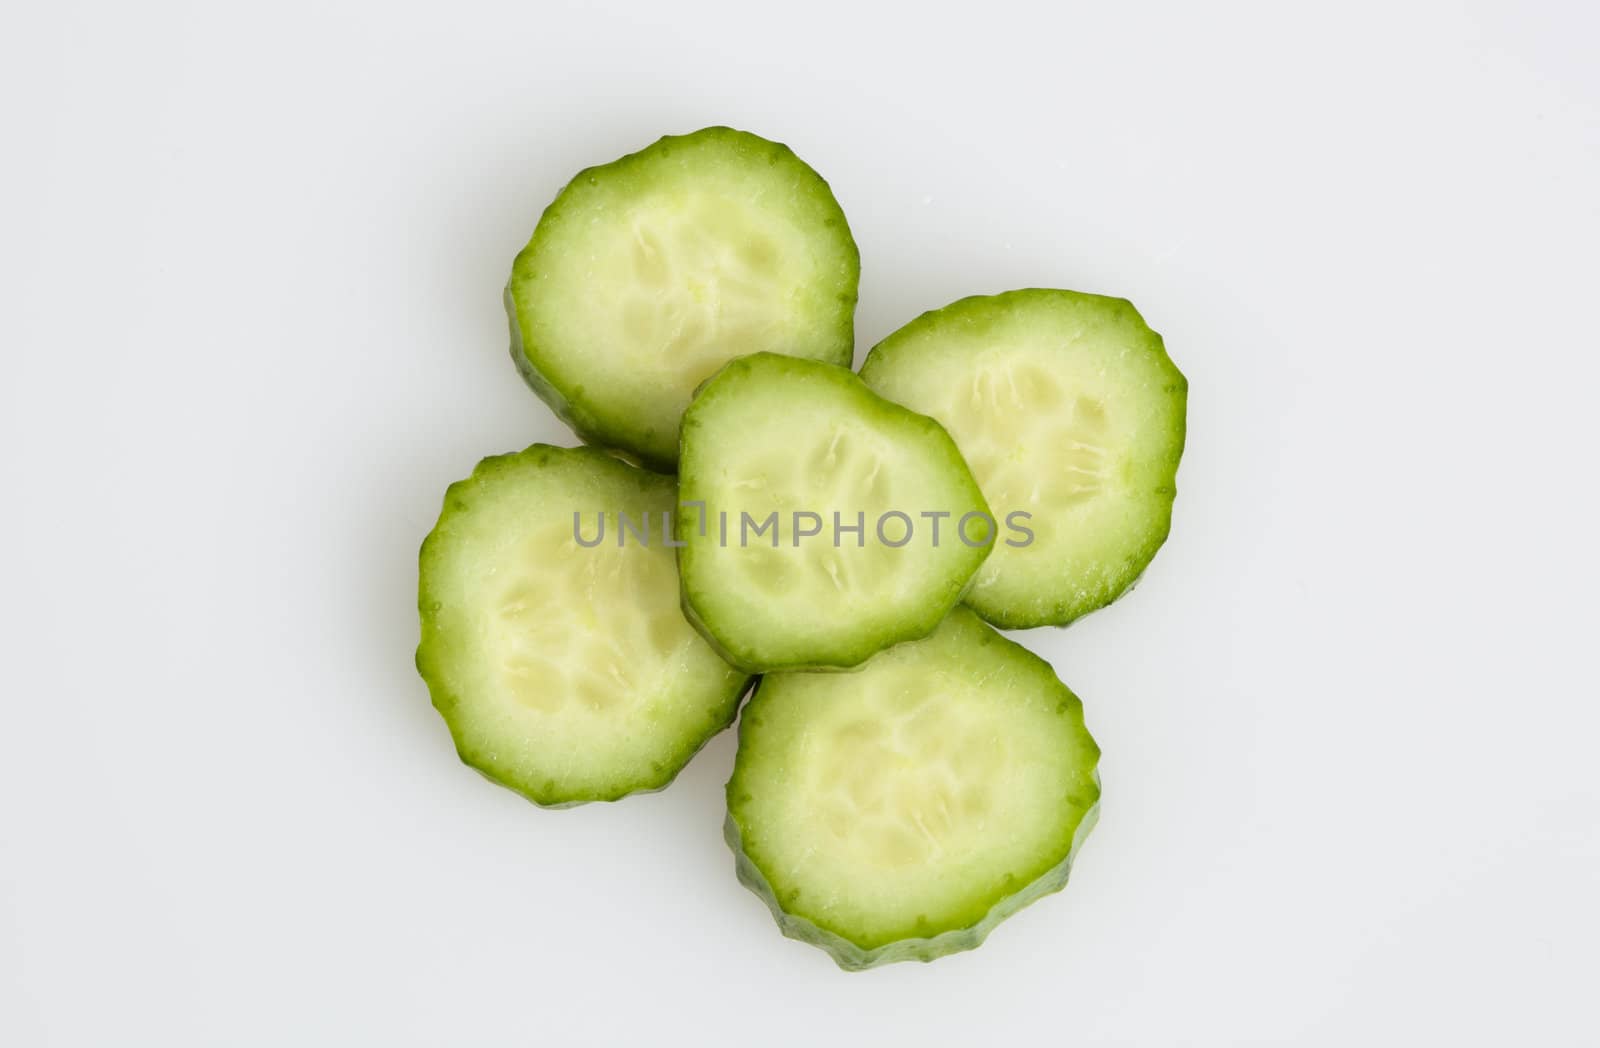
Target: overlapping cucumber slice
(774, 447)
(901, 811)
(1069, 410)
(649, 273)
(565, 672)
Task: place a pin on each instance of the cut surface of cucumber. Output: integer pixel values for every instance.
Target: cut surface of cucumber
(822, 523)
(564, 672)
(1069, 410)
(901, 811)
(647, 274)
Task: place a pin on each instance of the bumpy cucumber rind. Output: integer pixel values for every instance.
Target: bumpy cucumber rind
(432, 650)
(978, 313)
(643, 444)
(853, 958)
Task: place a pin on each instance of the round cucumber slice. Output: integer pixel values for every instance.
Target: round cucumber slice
(649, 273)
(1070, 413)
(901, 811)
(565, 672)
(822, 522)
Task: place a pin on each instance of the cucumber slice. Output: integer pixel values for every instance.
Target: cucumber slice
(797, 445)
(649, 273)
(1069, 410)
(902, 811)
(567, 673)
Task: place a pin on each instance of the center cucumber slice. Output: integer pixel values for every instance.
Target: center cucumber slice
(649, 273)
(900, 812)
(565, 672)
(1072, 415)
(822, 522)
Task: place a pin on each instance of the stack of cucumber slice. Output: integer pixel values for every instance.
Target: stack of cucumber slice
(906, 776)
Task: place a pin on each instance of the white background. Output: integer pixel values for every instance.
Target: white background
(251, 276)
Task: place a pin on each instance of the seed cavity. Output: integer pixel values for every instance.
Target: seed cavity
(909, 781)
(1031, 444)
(581, 631)
(702, 284)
